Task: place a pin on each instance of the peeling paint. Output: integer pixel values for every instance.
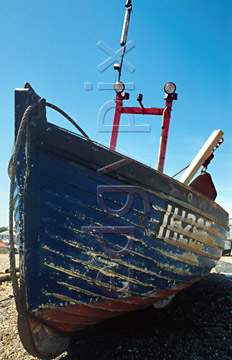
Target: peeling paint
(193, 249)
(104, 271)
(93, 306)
(118, 261)
(84, 277)
(75, 288)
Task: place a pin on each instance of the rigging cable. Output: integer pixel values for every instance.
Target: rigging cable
(67, 117)
(124, 33)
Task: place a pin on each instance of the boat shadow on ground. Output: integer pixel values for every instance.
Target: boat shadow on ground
(196, 325)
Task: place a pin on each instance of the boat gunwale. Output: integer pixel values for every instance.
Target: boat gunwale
(120, 173)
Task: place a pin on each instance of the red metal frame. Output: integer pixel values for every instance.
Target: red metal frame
(142, 111)
(166, 129)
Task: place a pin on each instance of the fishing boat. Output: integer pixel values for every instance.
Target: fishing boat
(99, 233)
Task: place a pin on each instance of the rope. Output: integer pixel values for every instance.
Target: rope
(19, 295)
(67, 117)
(13, 185)
(11, 202)
(186, 167)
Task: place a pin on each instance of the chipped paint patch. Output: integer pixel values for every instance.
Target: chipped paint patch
(129, 266)
(88, 279)
(48, 343)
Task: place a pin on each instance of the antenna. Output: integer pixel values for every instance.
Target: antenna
(126, 23)
(124, 33)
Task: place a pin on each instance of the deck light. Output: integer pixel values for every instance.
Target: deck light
(170, 88)
(125, 95)
(119, 87)
(116, 67)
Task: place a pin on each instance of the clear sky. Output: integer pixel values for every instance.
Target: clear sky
(57, 47)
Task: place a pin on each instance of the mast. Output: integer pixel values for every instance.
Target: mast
(124, 33)
(121, 95)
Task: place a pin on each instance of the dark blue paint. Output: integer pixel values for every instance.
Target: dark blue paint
(63, 198)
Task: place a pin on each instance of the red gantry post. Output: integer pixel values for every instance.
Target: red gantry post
(170, 95)
(119, 88)
(117, 115)
(164, 134)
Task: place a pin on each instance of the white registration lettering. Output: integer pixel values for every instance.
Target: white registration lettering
(175, 218)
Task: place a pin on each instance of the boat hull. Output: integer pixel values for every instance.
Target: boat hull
(101, 234)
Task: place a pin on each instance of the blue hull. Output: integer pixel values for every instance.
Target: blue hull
(100, 233)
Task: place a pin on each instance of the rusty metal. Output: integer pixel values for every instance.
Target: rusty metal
(211, 156)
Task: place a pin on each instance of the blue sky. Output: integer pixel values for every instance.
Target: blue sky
(53, 45)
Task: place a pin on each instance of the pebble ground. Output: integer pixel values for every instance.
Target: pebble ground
(197, 325)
